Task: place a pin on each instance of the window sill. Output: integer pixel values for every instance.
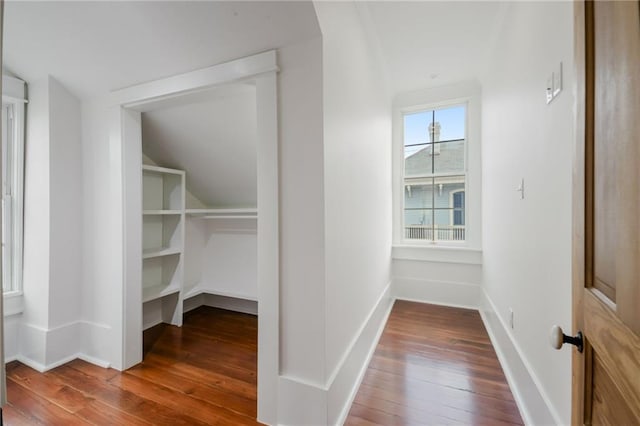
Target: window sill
(13, 304)
(437, 253)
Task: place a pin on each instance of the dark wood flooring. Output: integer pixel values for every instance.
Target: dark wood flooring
(434, 365)
(201, 374)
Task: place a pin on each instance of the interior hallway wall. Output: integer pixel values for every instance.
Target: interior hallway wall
(302, 234)
(527, 242)
(357, 192)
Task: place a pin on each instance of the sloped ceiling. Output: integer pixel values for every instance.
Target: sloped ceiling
(94, 47)
(212, 136)
(432, 43)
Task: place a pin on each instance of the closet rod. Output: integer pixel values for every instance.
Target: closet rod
(226, 217)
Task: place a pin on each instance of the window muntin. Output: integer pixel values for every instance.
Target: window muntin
(434, 172)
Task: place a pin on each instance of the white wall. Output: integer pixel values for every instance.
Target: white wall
(357, 187)
(527, 257)
(36, 206)
(52, 239)
(230, 258)
(100, 254)
(302, 236)
(65, 176)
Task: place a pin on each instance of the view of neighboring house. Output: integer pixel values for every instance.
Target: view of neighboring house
(434, 196)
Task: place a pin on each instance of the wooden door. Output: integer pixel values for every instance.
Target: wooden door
(606, 229)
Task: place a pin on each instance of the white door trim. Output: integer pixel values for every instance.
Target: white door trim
(126, 159)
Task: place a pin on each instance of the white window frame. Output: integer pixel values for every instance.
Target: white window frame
(436, 107)
(467, 94)
(13, 94)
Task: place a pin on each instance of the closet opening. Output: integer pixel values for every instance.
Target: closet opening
(199, 239)
(199, 192)
(199, 179)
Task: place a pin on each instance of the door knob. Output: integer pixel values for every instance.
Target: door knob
(558, 338)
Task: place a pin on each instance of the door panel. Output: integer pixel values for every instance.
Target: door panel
(606, 225)
(608, 406)
(616, 351)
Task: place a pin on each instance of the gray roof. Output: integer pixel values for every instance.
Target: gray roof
(449, 159)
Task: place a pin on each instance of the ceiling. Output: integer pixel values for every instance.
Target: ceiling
(95, 47)
(432, 43)
(211, 136)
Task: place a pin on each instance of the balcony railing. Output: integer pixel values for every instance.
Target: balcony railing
(435, 232)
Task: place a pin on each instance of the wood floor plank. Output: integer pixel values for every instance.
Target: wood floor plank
(38, 408)
(199, 374)
(434, 365)
(246, 388)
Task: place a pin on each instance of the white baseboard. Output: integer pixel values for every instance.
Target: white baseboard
(448, 293)
(32, 346)
(43, 349)
(193, 302)
(345, 381)
(11, 337)
(301, 403)
(96, 349)
(63, 343)
(231, 303)
(94, 361)
(534, 407)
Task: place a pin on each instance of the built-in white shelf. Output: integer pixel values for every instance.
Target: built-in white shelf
(159, 252)
(240, 213)
(157, 169)
(227, 217)
(157, 292)
(161, 212)
(163, 201)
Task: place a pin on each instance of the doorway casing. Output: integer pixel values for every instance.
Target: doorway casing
(125, 148)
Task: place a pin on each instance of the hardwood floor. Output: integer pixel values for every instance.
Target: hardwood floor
(434, 365)
(203, 373)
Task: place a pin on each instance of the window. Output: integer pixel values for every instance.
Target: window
(435, 177)
(457, 204)
(12, 183)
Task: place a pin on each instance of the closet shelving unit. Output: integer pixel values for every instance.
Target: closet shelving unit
(163, 218)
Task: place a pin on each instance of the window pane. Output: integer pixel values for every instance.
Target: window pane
(420, 163)
(418, 196)
(434, 145)
(450, 123)
(417, 147)
(449, 157)
(7, 142)
(416, 128)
